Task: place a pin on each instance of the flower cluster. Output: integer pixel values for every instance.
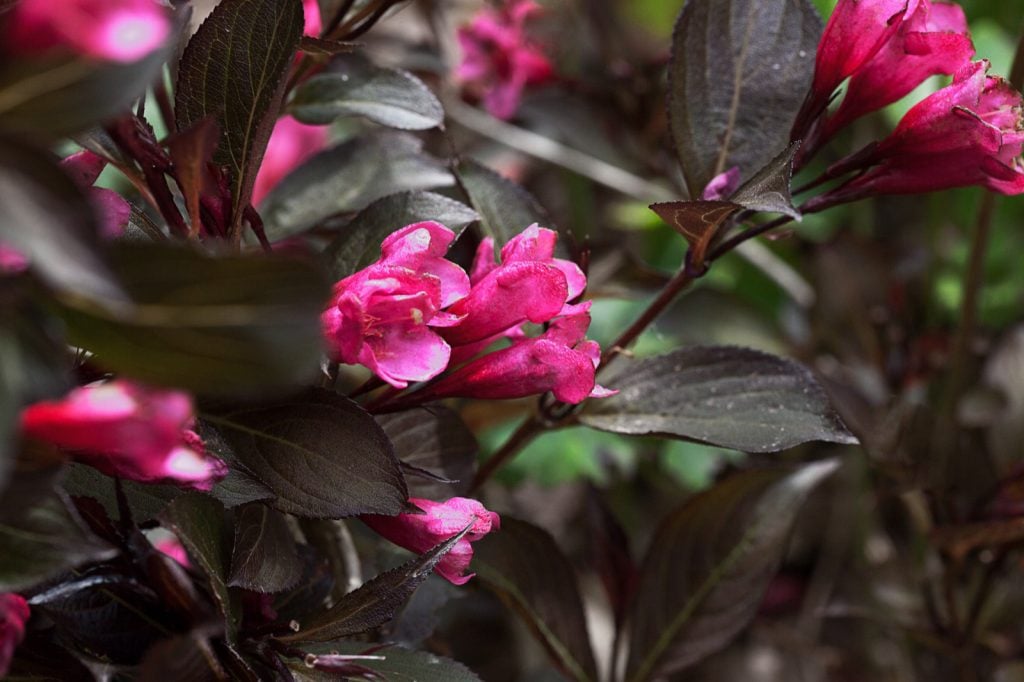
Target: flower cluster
(439, 522)
(968, 133)
(109, 30)
(127, 430)
(498, 61)
(413, 314)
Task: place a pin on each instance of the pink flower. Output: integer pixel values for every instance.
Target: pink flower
(116, 30)
(529, 284)
(311, 12)
(560, 360)
(290, 144)
(497, 58)
(932, 40)
(382, 316)
(969, 133)
(12, 261)
(422, 532)
(172, 547)
(722, 185)
(127, 430)
(14, 612)
(111, 208)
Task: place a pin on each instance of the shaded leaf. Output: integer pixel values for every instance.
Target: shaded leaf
(709, 565)
(769, 189)
(234, 69)
(106, 613)
(376, 602)
(434, 439)
(355, 86)
(145, 500)
(608, 549)
(348, 177)
(198, 521)
(698, 221)
(731, 397)
(398, 665)
(358, 243)
(57, 96)
(505, 208)
(737, 77)
(44, 539)
(264, 558)
(322, 455)
(524, 566)
(184, 658)
(232, 324)
(48, 219)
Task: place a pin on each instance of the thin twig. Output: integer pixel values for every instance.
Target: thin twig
(519, 439)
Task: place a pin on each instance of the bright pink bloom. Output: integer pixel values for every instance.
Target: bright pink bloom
(969, 133)
(932, 40)
(127, 430)
(422, 532)
(529, 284)
(14, 612)
(722, 185)
(311, 12)
(497, 58)
(111, 208)
(172, 547)
(116, 30)
(560, 360)
(381, 317)
(290, 144)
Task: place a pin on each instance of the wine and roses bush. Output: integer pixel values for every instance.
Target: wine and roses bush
(279, 311)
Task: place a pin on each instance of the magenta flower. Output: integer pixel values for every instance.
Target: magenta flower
(111, 208)
(115, 30)
(968, 133)
(311, 13)
(14, 612)
(931, 40)
(529, 284)
(440, 521)
(290, 144)
(560, 360)
(127, 430)
(497, 59)
(382, 316)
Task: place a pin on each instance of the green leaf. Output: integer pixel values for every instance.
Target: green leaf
(322, 455)
(731, 397)
(358, 243)
(234, 69)
(227, 325)
(433, 439)
(49, 220)
(355, 86)
(505, 208)
(54, 97)
(349, 177)
(44, 539)
(198, 521)
(264, 558)
(376, 602)
(709, 565)
(737, 77)
(398, 664)
(524, 566)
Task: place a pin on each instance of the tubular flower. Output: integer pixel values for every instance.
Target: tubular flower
(115, 30)
(969, 133)
(560, 360)
(313, 22)
(529, 284)
(14, 612)
(127, 430)
(933, 40)
(497, 58)
(113, 211)
(290, 144)
(440, 521)
(381, 317)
